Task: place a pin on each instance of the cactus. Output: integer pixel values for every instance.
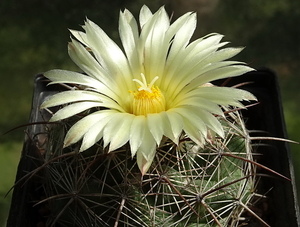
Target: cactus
(186, 185)
(161, 145)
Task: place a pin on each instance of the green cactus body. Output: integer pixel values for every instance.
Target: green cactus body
(186, 185)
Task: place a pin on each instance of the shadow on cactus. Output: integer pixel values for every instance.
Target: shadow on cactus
(143, 138)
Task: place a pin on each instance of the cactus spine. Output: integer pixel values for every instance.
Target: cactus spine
(186, 185)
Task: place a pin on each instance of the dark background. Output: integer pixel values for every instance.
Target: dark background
(34, 36)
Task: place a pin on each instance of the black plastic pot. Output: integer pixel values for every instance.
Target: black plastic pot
(278, 209)
(281, 206)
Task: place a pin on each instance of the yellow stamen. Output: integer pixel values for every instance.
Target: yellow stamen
(147, 99)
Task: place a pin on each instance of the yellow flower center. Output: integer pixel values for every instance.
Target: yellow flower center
(147, 99)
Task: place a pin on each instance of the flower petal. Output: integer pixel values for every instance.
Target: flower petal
(199, 102)
(58, 76)
(156, 125)
(178, 70)
(80, 128)
(194, 117)
(137, 132)
(128, 31)
(143, 163)
(71, 96)
(153, 35)
(176, 123)
(88, 63)
(95, 133)
(147, 144)
(145, 15)
(182, 30)
(108, 53)
(73, 109)
(80, 36)
(225, 95)
(210, 121)
(116, 132)
(222, 54)
(80, 95)
(167, 128)
(216, 74)
(193, 132)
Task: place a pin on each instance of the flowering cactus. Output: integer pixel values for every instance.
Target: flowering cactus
(158, 87)
(146, 138)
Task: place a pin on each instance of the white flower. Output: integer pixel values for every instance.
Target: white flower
(156, 87)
